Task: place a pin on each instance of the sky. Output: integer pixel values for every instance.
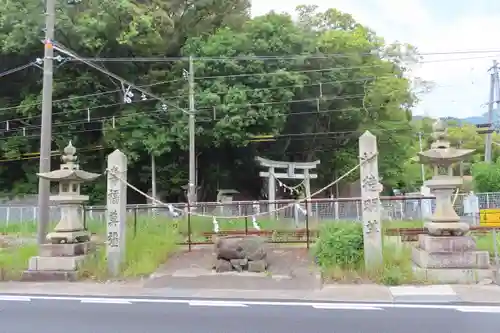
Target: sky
(461, 80)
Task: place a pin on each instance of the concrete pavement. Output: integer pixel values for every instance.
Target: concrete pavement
(20, 314)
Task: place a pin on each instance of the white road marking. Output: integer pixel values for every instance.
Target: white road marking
(479, 309)
(218, 303)
(245, 303)
(105, 301)
(341, 306)
(15, 298)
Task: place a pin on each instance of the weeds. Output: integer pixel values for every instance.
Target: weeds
(340, 254)
(146, 248)
(14, 260)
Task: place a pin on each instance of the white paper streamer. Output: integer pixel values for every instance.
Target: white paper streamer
(300, 209)
(216, 225)
(172, 211)
(254, 223)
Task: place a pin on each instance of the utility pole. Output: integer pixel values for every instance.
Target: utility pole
(153, 178)
(422, 168)
(46, 129)
(491, 102)
(192, 132)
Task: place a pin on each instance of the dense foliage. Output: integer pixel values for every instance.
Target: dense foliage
(340, 245)
(486, 176)
(315, 83)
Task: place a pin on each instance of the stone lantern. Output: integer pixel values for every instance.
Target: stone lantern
(69, 243)
(443, 184)
(70, 228)
(446, 254)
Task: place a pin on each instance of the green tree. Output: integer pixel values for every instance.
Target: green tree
(486, 176)
(315, 83)
(108, 28)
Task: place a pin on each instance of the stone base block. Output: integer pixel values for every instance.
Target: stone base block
(66, 250)
(55, 263)
(446, 227)
(45, 276)
(469, 259)
(434, 244)
(258, 266)
(453, 275)
(64, 237)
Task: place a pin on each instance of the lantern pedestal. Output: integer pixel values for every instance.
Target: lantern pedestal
(70, 228)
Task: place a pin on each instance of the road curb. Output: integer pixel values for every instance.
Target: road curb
(485, 295)
(424, 294)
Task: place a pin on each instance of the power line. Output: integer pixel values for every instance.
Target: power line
(212, 77)
(216, 77)
(174, 97)
(284, 72)
(89, 119)
(365, 66)
(53, 154)
(319, 84)
(291, 137)
(284, 135)
(115, 119)
(16, 69)
(126, 85)
(269, 57)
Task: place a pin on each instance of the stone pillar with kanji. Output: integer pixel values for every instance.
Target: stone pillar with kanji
(370, 200)
(116, 210)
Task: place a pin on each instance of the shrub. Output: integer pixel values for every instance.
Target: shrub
(340, 245)
(339, 253)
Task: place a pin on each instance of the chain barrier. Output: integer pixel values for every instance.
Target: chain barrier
(292, 204)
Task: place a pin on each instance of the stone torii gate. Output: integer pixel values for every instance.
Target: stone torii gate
(291, 168)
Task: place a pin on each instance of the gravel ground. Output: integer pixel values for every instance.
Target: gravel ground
(289, 268)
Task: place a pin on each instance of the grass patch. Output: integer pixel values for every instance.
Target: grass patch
(14, 260)
(150, 240)
(147, 249)
(400, 224)
(149, 243)
(485, 242)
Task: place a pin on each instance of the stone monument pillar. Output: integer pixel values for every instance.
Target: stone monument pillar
(69, 242)
(447, 254)
(116, 211)
(370, 200)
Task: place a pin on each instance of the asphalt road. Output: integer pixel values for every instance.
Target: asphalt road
(58, 315)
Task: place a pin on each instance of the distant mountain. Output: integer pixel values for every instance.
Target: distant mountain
(474, 120)
(468, 120)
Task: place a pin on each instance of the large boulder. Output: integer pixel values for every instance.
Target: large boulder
(228, 253)
(241, 251)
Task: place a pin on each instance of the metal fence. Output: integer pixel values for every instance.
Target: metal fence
(394, 208)
(280, 221)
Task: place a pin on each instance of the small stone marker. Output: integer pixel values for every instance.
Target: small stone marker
(370, 200)
(116, 211)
